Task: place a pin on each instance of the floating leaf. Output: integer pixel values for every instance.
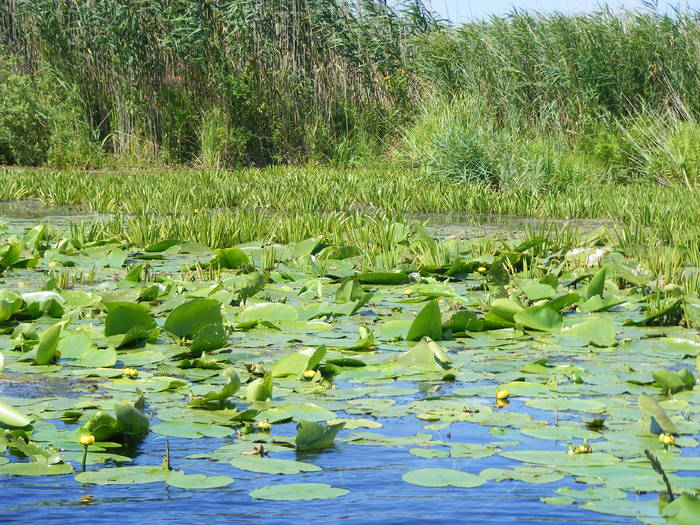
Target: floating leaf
(127, 323)
(598, 331)
(35, 468)
(179, 479)
(298, 492)
(266, 465)
(390, 278)
(270, 312)
(136, 475)
(313, 436)
(189, 317)
(11, 417)
(426, 355)
(442, 477)
(299, 362)
(541, 318)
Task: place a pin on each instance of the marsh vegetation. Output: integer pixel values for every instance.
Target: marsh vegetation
(244, 262)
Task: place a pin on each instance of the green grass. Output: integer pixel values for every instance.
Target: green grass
(222, 208)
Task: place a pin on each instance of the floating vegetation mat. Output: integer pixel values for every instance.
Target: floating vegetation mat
(566, 373)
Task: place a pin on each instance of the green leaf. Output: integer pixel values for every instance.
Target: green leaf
(538, 291)
(298, 492)
(505, 308)
(127, 323)
(426, 355)
(597, 331)
(230, 258)
(427, 323)
(35, 468)
(187, 319)
(188, 430)
(388, 278)
(136, 475)
(348, 291)
(299, 362)
(597, 285)
(48, 341)
(313, 436)
(270, 312)
(209, 337)
(652, 410)
(670, 382)
(130, 419)
(260, 389)
(541, 318)
(179, 479)
(560, 458)
(266, 465)
(11, 417)
(442, 477)
(684, 510)
(233, 383)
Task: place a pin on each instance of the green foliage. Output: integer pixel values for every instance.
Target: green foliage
(248, 81)
(41, 121)
(24, 117)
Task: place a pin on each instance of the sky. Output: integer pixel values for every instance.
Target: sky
(465, 10)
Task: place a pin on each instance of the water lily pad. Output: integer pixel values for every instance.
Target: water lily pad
(35, 468)
(561, 458)
(267, 465)
(135, 475)
(298, 492)
(442, 477)
(181, 480)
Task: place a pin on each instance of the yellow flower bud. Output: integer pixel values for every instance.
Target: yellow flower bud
(309, 374)
(502, 394)
(264, 426)
(57, 354)
(481, 269)
(667, 439)
(87, 439)
(408, 292)
(131, 372)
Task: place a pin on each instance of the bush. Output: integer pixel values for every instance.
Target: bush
(41, 123)
(24, 117)
(676, 158)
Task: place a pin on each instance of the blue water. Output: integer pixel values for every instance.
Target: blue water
(371, 473)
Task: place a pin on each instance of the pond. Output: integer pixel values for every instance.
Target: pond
(376, 386)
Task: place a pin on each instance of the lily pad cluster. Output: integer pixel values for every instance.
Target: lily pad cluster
(266, 349)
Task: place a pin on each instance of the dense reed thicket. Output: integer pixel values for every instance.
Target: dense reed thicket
(531, 101)
(530, 98)
(245, 81)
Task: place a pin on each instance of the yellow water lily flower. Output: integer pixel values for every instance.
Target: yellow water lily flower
(408, 291)
(87, 439)
(264, 426)
(309, 374)
(131, 372)
(481, 269)
(667, 439)
(502, 394)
